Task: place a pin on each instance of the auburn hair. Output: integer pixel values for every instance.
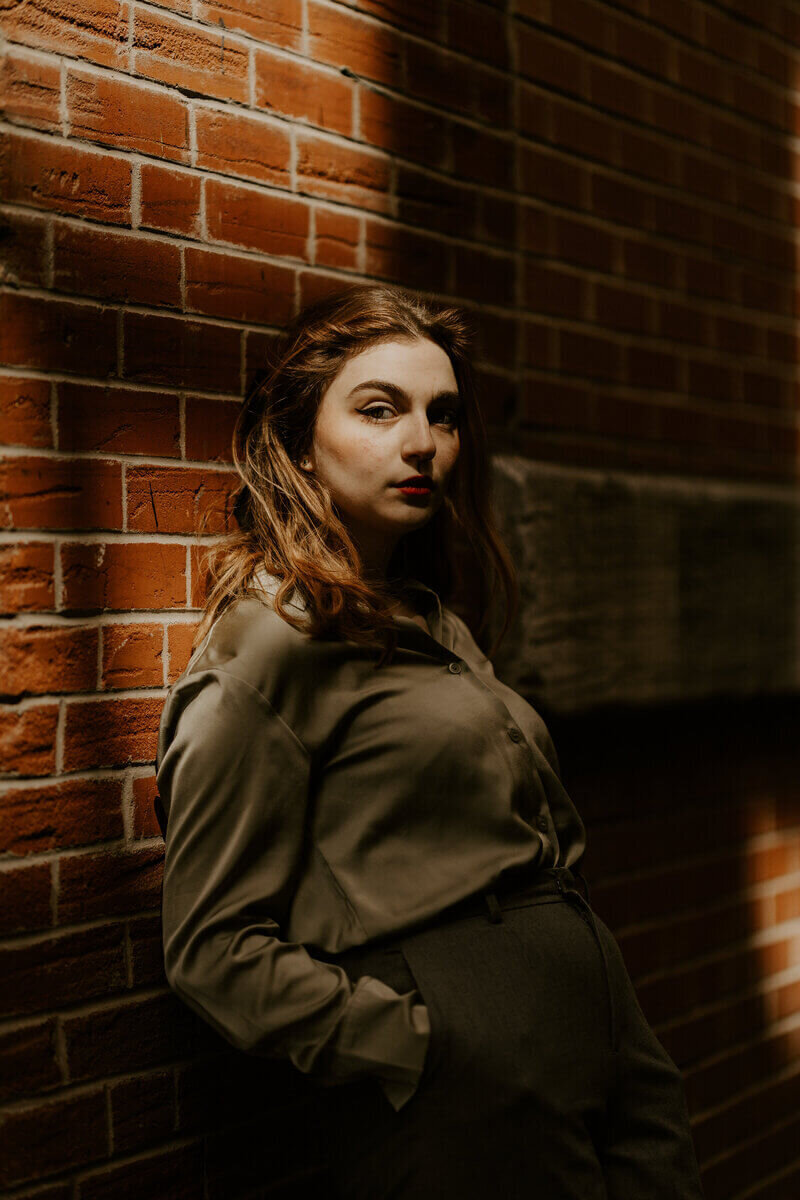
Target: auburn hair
(286, 521)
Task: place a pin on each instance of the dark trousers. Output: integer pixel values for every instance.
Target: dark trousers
(543, 1078)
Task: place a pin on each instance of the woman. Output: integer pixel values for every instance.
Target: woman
(369, 853)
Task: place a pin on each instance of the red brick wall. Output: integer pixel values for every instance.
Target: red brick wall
(611, 189)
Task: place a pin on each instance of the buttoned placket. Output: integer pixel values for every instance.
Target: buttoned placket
(457, 666)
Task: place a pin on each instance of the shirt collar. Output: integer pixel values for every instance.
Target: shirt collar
(269, 583)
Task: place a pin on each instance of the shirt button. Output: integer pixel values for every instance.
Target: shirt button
(454, 668)
(542, 823)
(515, 735)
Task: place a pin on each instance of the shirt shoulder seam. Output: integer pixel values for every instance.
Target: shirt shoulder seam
(259, 695)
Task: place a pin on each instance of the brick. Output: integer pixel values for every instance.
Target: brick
(337, 237)
(189, 57)
(699, 73)
(170, 200)
(56, 493)
(681, 16)
(47, 1137)
(585, 243)
(482, 156)
(643, 48)
(72, 967)
(711, 379)
(142, 1111)
(649, 157)
(414, 259)
(533, 111)
(549, 61)
(760, 100)
(536, 230)
(418, 16)
(119, 113)
(132, 656)
(646, 367)
(280, 23)
(25, 897)
(550, 290)
(72, 812)
(621, 308)
(235, 144)
(500, 220)
(618, 201)
(409, 130)
(107, 733)
(44, 173)
(342, 39)
(478, 31)
(537, 343)
(26, 577)
(618, 91)
(762, 198)
(551, 177)
(435, 203)
(718, 1132)
(176, 500)
(30, 90)
(290, 88)
(55, 335)
(486, 277)
(24, 247)
(131, 1036)
(259, 346)
(649, 262)
(181, 638)
(114, 266)
(438, 78)
(179, 1174)
(558, 405)
(44, 658)
(583, 22)
(120, 576)
(27, 739)
(256, 220)
(590, 135)
(100, 35)
(118, 420)
(144, 818)
(25, 412)
(175, 352)
(209, 429)
(588, 355)
(346, 173)
(28, 1062)
(497, 339)
(239, 288)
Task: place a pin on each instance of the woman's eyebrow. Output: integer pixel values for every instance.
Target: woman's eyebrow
(394, 389)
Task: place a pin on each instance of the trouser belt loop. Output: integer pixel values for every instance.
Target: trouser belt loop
(570, 893)
(493, 904)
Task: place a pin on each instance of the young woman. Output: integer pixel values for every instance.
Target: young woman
(370, 858)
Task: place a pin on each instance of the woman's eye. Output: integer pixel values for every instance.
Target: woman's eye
(369, 413)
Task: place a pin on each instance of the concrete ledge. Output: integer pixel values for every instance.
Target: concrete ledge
(636, 589)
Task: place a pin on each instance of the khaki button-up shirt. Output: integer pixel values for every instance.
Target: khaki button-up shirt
(313, 801)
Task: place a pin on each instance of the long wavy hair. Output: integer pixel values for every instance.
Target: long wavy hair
(287, 521)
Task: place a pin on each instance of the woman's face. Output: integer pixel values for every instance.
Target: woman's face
(390, 413)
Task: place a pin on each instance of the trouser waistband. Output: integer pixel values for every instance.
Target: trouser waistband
(514, 891)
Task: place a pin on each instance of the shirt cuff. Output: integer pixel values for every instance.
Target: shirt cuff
(382, 1033)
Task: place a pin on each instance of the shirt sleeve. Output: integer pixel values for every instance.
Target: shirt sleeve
(234, 781)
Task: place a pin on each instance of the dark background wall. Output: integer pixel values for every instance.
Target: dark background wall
(610, 188)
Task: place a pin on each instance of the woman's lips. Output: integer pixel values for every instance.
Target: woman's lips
(414, 489)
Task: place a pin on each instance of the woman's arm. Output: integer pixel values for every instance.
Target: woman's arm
(234, 781)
